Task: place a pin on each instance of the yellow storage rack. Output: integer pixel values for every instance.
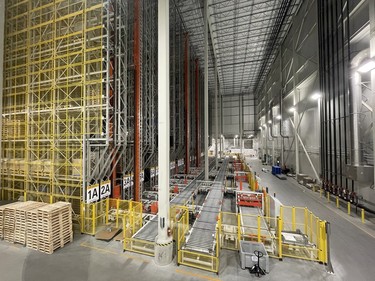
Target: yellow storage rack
(54, 97)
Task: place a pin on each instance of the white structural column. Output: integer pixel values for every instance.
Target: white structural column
(2, 16)
(372, 55)
(164, 242)
(206, 171)
(241, 122)
(295, 102)
(216, 117)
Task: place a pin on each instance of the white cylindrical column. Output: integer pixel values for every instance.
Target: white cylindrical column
(216, 118)
(164, 242)
(206, 171)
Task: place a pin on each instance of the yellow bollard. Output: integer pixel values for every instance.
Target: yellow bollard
(363, 215)
(337, 202)
(349, 208)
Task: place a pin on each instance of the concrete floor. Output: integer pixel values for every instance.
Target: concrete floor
(353, 252)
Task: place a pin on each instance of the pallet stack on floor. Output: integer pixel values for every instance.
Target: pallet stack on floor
(54, 227)
(39, 226)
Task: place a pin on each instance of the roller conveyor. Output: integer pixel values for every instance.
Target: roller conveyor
(149, 231)
(202, 237)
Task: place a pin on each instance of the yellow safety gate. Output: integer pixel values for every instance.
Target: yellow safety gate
(309, 228)
(198, 259)
(117, 212)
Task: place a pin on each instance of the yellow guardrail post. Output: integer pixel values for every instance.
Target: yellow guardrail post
(349, 208)
(117, 211)
(363, 215)
(50, 199)
(238, 229)
(107, 211)
(93, 218)
(82, 217)
(311, 225)
(306, 220)
(259, 240)
(279, 229)
(337, 202)
(293, 218)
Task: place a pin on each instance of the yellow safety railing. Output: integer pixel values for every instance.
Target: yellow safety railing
(92, 216)
(96, 215)
(229, 233)
(310, 232)
(201, 260)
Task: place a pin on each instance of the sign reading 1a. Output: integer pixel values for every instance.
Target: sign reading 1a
(92, 193)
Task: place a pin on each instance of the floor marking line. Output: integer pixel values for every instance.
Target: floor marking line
(196, 275)
(111, 252)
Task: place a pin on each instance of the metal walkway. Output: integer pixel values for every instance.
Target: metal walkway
(149, 231)
(202, 237)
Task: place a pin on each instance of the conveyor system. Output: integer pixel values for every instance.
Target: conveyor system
(149, 231)
(250, 230)
(202, 235)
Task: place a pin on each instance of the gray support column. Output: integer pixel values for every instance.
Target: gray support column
(164, 240)
(216, 117)
(206, 171)
(372, 55)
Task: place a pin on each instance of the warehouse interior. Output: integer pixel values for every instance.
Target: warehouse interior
(194, 139)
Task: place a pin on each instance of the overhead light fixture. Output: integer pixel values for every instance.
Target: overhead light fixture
(366, 65)
(278, 117)
(251, 136)
(316, 96)
(236, 136)
(260, 128)
(264, 126)
(269, 122)
(292, 109)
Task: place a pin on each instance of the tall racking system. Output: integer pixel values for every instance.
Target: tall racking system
(80, 98)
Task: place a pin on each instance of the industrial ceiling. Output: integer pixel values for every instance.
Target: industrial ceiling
(245, 36)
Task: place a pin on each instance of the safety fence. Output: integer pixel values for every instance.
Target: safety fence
(295, 232)
(114, 212)
(205, 259)
(179, 222)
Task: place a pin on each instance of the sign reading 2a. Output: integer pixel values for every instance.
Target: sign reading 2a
(105, 189)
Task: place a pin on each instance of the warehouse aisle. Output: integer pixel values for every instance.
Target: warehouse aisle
(352, 243)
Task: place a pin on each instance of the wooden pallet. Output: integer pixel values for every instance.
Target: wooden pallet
(21, 220)
(54, 227)
(9, 215)
(2, 213)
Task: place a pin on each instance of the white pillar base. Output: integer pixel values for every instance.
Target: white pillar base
(163, 252)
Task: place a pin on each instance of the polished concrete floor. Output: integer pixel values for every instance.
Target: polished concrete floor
(353, 252)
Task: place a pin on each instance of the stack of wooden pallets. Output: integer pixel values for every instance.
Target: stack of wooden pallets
(9, 215)
(39, 225)
(32, 228)
(54, 227)
(21, 220)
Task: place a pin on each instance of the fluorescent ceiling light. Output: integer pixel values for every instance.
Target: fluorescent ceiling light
(269, 122)
(316, 96)
(292, 109)
(236, 136)
(264, 126)
(278, 117)
(366, 66)
(260, 128)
